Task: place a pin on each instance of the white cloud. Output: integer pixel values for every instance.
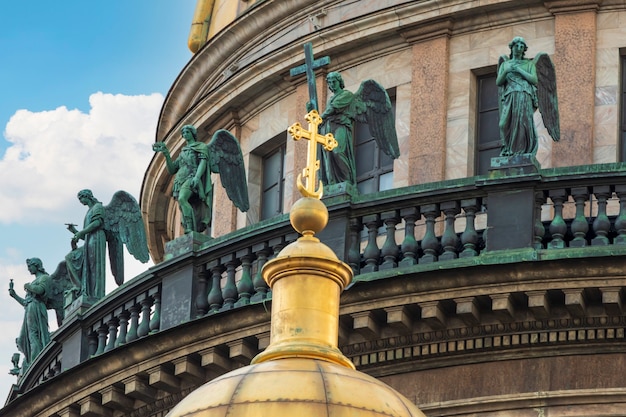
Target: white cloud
(54, 154)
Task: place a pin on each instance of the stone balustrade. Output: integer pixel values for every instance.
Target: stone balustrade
(450, 228)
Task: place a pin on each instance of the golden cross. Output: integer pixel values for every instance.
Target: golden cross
(313, 164)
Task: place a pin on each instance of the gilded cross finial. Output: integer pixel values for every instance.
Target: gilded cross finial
(313, 164)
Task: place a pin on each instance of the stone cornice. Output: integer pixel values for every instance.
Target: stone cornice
(572, 6)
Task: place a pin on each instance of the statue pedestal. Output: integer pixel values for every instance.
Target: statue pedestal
(77, 305)
(505, 166)
(187, 243)
(511, 220)
(339, 193)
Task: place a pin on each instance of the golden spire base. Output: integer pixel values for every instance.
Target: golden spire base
(305, 307)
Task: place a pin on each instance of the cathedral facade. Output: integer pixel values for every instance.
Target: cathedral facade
(478, 289)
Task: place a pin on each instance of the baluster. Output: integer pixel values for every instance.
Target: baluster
(558, 228)
(262, 251)
(449, 239)
(155, 321)
(390, 250)
(92, 343)
(430, 243)
(202, 300)
(134, 323)
(112, 323)
(144, 326)
(469, 237)
(102, 331)
(123, 316)
(601, 224)
(229, 292)
(371, 254)
(57, 367)
(620, 221)
(409, 245)
(580, 225)
(540, 230)
(354, 253)
(277, 244)
(245, 286)
(215, 295)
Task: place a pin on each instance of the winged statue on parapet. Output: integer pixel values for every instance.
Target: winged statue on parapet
(45, 292)
(192, 170)
(117, 224)
(371, 105)
(525, 85)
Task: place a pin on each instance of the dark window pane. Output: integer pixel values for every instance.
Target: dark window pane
(488, 93)
(272, 182)
(484, 159)
(365, 156)
(367, 186)
(272, 170)
(487, 118)
(271, 200)
(488, 127)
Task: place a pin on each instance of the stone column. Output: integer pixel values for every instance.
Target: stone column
(429, 101)
(575, 62)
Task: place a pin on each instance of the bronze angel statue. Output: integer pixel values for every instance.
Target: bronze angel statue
(118, 224)
(525, 85)
(45, 292)
(371, 105)
(192, 169)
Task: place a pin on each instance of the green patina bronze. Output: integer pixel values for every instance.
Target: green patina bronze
(371, 105)
(34, 334)
(308, 68)
(525, 85)
(192, 169)
(118, 224)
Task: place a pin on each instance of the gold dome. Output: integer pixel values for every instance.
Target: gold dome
(295, 387)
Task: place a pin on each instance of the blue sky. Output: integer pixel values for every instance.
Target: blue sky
(81, 87)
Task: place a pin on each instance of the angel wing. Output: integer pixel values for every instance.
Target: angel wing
(123, 225)
(377, 112)
(226, 159)
(59, 282)
(546, 94)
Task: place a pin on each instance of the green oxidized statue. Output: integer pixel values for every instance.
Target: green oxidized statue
(118, 224)
(371, 105)
(192, 169)
(525, 85)
(46, 292)
(34, 334)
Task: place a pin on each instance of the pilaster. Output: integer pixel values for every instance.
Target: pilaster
(429, 101)
(575, 61)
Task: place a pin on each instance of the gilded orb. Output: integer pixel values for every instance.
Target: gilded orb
(308, 216)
